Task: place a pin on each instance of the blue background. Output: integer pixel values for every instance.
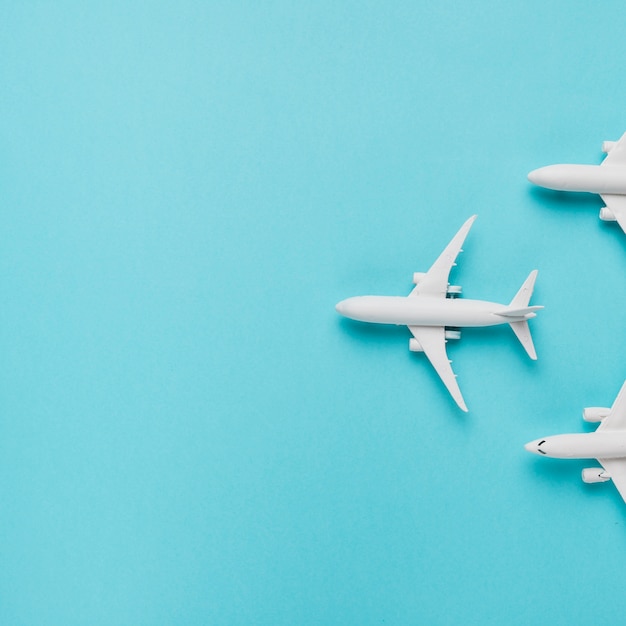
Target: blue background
(189, 433)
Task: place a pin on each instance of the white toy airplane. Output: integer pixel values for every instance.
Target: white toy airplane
(429, 313)
(607, 179)
(607, 444)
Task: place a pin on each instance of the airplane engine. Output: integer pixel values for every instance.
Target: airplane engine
(606, 215)
(415, 345)
(595, 413)
(595, 475)
(453, 291)
(607, 146)
(453, 334)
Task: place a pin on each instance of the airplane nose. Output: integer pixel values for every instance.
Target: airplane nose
(551, 176)
(529, 446)
(353, 308)
(537, 177)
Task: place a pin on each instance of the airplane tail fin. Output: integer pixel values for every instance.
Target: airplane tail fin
(527, 312)
(519, 308)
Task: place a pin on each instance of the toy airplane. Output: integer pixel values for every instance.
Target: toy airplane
(434, 315)
(607, 444)
(607, 179)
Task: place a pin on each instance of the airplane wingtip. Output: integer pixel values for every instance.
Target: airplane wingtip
(461, 403)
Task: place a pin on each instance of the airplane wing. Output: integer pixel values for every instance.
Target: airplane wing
(433, 342)
(616, 419)
(617, 156)
(617, 469)
(617, 204)
(435, 282)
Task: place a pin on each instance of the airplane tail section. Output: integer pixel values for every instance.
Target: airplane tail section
(527, 312)
(522, 297)
(519, 308)
(522, 332)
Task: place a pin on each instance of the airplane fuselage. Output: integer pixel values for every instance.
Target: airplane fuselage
(596, 445)
(607, 179)
(424, 311)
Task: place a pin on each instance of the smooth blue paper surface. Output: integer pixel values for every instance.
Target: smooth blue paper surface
(189, 433)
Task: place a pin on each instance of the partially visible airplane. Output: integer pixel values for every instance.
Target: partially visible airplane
(434, 314)
(607, 179)
(607, 444)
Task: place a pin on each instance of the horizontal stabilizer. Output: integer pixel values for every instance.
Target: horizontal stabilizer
(522, 297)
(522, 332)
(519, 309)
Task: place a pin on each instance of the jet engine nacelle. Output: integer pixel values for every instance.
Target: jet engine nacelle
(595, 413)
(452, 334)
(415, 345)
(607, 146)
(606, 215)
(595, 475)
(452, 291)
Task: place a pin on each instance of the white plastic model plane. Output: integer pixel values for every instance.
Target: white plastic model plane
(607, 179)
(607, 444)
(434, 315)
